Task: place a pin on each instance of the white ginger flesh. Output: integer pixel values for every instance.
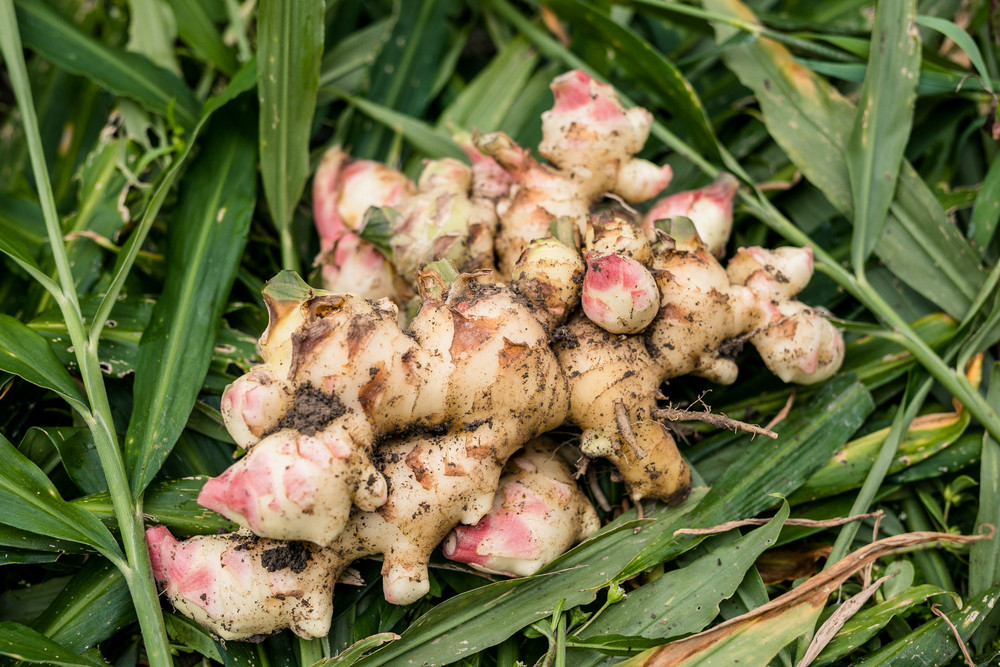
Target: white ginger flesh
(343, 190)
(538, 513)
(351, 377)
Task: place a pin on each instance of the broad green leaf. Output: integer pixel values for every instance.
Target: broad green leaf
(927, 435)
(127, 74)
(984, 556)
(869, 621)
(94, 605)
(933, 643)
(685, 600)
(196, 27)
(488, 615)
(15, 556)
(806, 440)
(882, 122)
(290, 48)
(172, 503)
(32, 503)
(14, 539)
(205, 243)
(404, 73)
(26, 354)
(23, 643)
(811, 122)
(74, 446)
(657, 75)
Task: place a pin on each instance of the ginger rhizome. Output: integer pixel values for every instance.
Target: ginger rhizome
(363, 438)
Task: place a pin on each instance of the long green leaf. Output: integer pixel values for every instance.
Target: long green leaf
(290, 43)
(882, 122)
(31, 503)
(986, 212)
(962, 39)
(197, 29)
(984, 556)
(127, 74)
(23, 643)
(205, 244)
(811, 122)
(26, 354)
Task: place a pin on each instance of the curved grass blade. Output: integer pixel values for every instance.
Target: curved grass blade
(21, 642)
(882, 122)
(26, 354)
(127, 74)
(31, 503)
(640, 61)
(290, 49)
(986, 211)
(963, 40)
(205, 243)
(425, 138)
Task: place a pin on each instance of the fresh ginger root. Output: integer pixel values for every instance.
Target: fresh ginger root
(538, 513)
(366, 439)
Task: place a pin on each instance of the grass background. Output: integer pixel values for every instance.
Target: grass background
(155, 158)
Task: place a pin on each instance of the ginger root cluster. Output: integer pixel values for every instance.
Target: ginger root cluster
(531, 312)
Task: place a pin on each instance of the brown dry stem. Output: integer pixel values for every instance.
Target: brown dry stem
(809, 523)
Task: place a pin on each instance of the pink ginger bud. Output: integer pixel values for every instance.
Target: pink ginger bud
(538, 513)
(253, 405)
(343, 189)
(619, 294)
(238, 586)
(788, 269)
(294, 486)
(489, 179)
(799, 344)
(710, 209)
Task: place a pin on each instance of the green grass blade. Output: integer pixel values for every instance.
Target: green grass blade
(933, 642)
(685, 600)
(94, 605)
(656, 75)
(811, 121)
(489, 98)
(406, 69)
(31, 503)
(963, 40)
(196, 28)
(15, 250)
(205, 244)
(807, 439)
(26, 354)
(984, 556)
(127, 74)
(152, 31)
(244, 80)
(290, 49)
(986, 212)
(23, 643)
(882, 123)
(425, 138)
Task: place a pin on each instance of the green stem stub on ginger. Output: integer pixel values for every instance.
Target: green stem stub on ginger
(287, 287)
(377, 228)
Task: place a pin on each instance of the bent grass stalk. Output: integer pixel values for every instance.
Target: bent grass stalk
(128, 510)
